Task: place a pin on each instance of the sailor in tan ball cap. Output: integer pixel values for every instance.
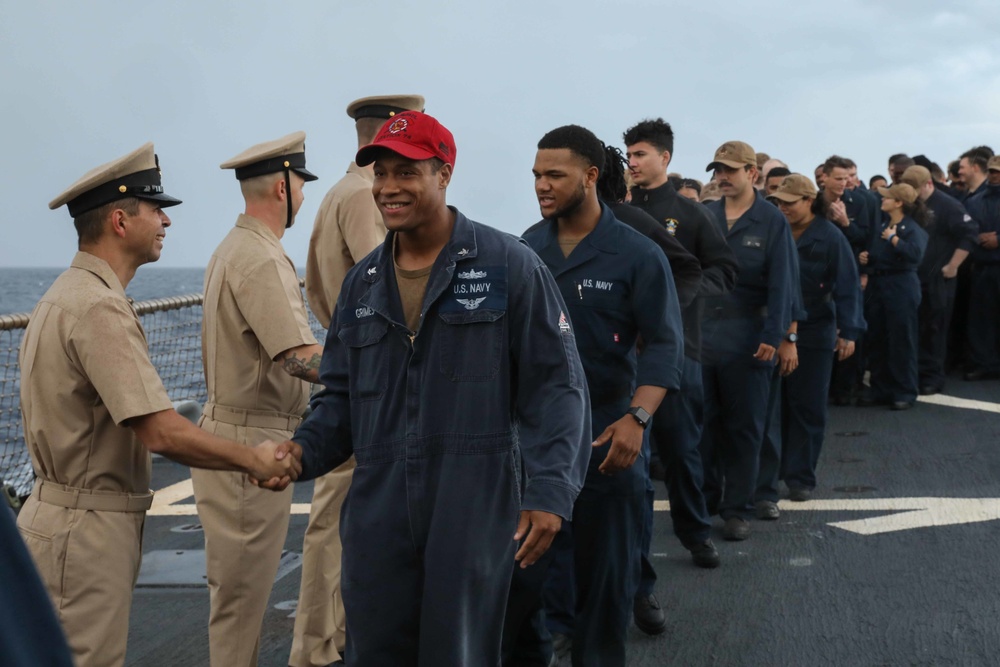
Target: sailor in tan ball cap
(259, 356)
(348, 226)
(748, 341)
(94, 408)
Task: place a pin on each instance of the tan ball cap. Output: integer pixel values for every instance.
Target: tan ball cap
(900, 192)
(384, 106)
(735, 155)
(793, 188)
(993, 164)
(288, 152)
(134, 175)
(916, 176)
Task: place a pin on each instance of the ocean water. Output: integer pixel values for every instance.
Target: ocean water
(21, 288)
(173, 338)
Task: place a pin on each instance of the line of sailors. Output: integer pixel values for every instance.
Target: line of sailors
(458, 373)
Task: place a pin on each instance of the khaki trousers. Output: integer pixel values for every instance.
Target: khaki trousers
(245, 529)
(320, 625)
(89, 561)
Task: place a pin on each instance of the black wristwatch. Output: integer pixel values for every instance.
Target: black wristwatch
(640, 415)
(792, 337)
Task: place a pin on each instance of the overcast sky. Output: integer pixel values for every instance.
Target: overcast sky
(82, 83)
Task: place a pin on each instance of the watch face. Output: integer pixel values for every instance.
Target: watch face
(640, 415)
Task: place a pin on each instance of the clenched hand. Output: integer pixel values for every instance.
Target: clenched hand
(540, 528)
(278, 465)
(626, 444)
(843, 348)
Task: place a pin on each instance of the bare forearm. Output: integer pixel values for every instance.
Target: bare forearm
(171, 435)
(648, 397)
(958, 257)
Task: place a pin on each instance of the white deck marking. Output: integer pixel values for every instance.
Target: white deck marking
(955, 402)
(910, 512)
(171, 495)
(166, 501)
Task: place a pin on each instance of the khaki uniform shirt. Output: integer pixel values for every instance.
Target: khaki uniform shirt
(348, 226)
(85, 370)
(253, 312)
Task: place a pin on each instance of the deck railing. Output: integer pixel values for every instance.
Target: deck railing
(173, 328)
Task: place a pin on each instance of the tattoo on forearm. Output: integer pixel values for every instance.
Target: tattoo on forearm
(300, 367)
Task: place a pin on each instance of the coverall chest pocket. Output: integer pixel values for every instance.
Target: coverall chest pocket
(608, 301)
(368, 363)
(604, 320)
(752, 255)
(814, 263)
(471, 345)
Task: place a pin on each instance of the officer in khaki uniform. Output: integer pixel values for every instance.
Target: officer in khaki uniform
(94, 407)
(259, 355)
(348, 227)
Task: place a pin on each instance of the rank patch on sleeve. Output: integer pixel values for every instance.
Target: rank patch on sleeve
(564, 323)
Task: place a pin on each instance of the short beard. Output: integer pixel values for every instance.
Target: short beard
(573, 205)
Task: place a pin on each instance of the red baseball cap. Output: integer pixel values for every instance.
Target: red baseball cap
(414, 135)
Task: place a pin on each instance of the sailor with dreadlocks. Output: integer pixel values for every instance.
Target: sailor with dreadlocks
(612, 189)
(618, 287)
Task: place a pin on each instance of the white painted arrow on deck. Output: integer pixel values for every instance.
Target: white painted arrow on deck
(166, 501)
(909, 512)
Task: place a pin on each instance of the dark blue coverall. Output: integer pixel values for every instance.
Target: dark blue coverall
(950, 228)
(440, 421)
(686, 271)
(677, 425)
(831, 299)
(894, 293)
(959, 355)
(771, 446)
(30, 634)
(984, 304)
(848, 374)
(618, 286)
(737, 386)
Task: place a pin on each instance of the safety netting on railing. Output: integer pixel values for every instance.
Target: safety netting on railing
(15, 466)
(173, 329)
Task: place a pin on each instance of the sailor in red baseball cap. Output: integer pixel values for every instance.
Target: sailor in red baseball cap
(450, 368)
(413, 156)
(414, 135)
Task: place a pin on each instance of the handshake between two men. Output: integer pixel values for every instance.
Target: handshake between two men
(277, 465)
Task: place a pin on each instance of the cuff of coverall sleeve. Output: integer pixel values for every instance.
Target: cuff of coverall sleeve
(850, 334)
(669, 380)
(967, 245)
(551, 497)
(774, 340)
(309, 471)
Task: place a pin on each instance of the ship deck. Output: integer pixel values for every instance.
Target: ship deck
(894, 561)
